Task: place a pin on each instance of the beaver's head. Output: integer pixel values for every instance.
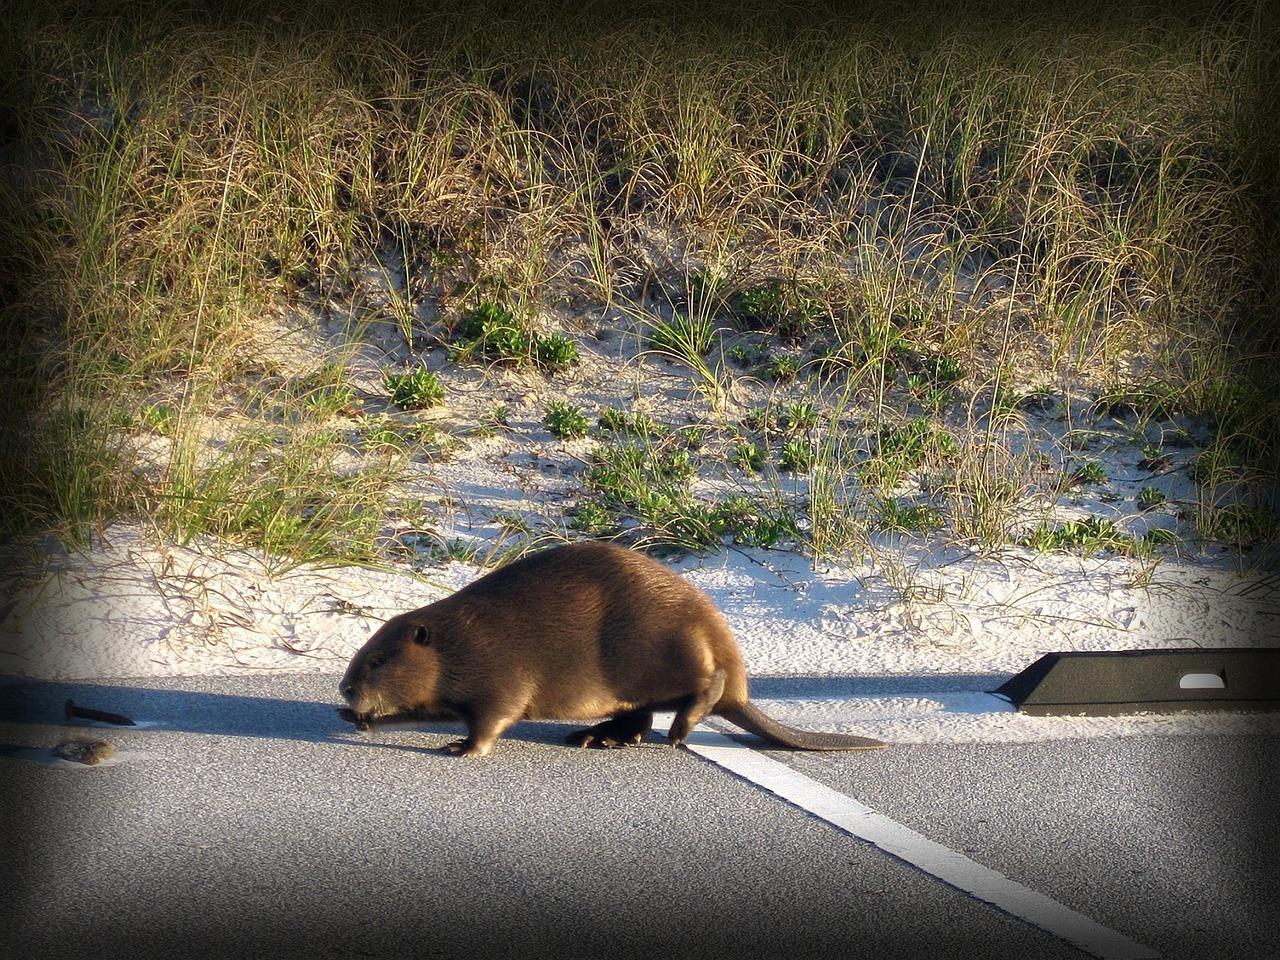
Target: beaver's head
(395, 671)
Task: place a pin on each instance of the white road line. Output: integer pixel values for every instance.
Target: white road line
(942, 862)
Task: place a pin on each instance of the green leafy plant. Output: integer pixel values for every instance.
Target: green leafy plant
(778, 307)
(157, 417)
(1150, 497)
(555, 351)
(909, 517)
(492, 331)
(566, 421)
(324, 402)
(415, 390)
(772, 529)
(1088, 534)
(675, 464)
(941, 368)
(796, 455)
(758, 418)
(749, 354)
(455, 550)
(592, 517)
(637, 423)
(1091, 473)
(915, 440)
(762, 304)
(748, 456)
(799, 416)
(752, 522)
(783, 367)
(382, 432)
(1154, 401)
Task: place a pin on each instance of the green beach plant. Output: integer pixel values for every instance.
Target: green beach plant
(416, 390)
(566, 420)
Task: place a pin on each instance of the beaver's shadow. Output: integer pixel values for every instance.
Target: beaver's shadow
(41, 703)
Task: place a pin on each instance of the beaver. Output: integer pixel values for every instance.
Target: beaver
(578, 631)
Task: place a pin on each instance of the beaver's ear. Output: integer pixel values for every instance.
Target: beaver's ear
(420, 635)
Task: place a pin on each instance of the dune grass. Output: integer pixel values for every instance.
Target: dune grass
(949, 209)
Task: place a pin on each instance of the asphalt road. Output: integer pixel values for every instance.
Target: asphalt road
(249, 820)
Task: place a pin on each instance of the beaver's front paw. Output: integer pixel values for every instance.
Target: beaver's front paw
(349, 715)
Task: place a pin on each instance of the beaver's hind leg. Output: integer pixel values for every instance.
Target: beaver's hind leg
(695, 708)
(621, 730)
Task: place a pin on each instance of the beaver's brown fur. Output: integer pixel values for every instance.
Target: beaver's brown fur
(579, 631)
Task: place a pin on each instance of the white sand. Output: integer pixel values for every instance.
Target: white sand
(130, 608)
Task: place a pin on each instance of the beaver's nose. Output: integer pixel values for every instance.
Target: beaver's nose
(347, 688)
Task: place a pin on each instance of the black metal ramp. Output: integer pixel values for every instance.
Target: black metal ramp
(1147, 681)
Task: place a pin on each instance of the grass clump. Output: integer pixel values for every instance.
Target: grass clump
(491, 330)
(636, 424)
(895, 514)
(415, 390)
(1241, 525)
(895, 451)
(1091, 473)
(780, 308)
(799, 416)
(1086, 535)
(797, 455)
(566, 421)
(782, 367)
(1149, 498)
(390, 434)
(748, 456)
(683, 338)
(324, 390)
(555, 351)
(158, 417)
(1150, 401)
(289, 494)
(649, 486)
(646, 492)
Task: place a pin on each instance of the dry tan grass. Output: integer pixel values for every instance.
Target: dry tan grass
(1047, 204)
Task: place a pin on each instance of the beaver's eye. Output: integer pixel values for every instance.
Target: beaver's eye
(420, 635)
(376, 662)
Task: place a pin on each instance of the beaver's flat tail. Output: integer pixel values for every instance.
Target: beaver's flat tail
(752, 719)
